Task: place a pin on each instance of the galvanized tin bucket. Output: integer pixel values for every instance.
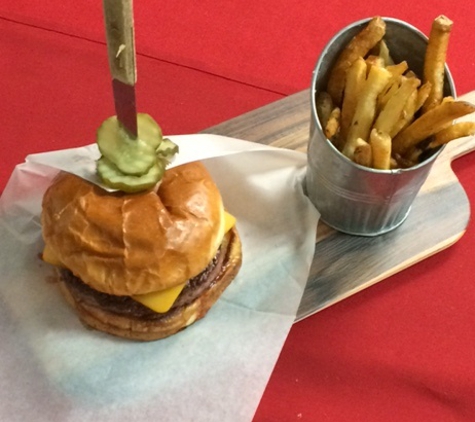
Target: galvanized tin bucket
(351, 198)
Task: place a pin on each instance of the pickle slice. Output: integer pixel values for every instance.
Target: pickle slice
(113, 177)
(167, 149)
(148, 130)
(131, 156)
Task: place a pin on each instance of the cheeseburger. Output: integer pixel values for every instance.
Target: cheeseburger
(141, 265)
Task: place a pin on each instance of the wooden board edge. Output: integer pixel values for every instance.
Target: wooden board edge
(406, 264)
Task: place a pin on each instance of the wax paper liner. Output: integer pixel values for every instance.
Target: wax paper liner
(54, 369)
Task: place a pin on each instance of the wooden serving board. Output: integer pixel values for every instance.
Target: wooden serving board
(344, 265)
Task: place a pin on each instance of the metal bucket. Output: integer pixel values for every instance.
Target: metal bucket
(351, 198)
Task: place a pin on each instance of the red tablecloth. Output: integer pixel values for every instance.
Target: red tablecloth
(402, 350)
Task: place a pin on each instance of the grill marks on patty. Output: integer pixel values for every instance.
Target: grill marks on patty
(126, 306)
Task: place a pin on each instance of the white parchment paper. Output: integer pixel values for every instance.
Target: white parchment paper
(53, 369)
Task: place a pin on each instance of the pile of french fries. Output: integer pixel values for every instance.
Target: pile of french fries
(380, 114)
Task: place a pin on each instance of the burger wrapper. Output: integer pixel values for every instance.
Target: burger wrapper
(54, 369)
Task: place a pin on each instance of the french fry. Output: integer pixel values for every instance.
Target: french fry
(359, 46)
(447, 99)
(385, 54)
(324, 106)
(410, 74)
(333, 124)
(374, 61)
(355, 79)
(434, 61)
(389, 91)
(413, 157)
(366, 108)
(393, 164)
(381, 147)
(397, 70)
(455, 131)
(412, 106)
(422, 95)
(428, 124)
(363, 154)
(393, 109)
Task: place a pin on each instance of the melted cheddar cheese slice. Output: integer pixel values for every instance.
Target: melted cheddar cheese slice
(50, 257)
(161, 301)
(157, 301)
(229, 221)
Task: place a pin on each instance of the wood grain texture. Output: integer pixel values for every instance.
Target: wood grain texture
(343, 264)
(119, 27)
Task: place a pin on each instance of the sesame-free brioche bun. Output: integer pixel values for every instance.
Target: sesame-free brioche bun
(129, 244)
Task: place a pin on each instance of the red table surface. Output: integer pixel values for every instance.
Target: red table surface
(402, 350)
